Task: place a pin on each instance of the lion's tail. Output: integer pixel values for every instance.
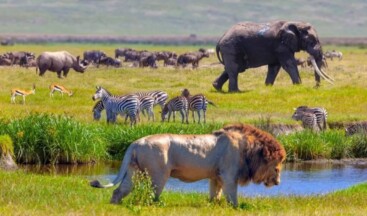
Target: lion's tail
(122, 173)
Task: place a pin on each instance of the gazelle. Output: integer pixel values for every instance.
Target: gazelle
(56, 87)
(19, 92)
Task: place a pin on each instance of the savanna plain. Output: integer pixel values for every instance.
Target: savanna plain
(55, 130)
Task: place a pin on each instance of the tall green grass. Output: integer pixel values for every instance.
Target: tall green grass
(45, 138)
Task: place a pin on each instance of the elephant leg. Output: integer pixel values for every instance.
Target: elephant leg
(215, 188)
(289, 64)
(124, 189)
(273, 71)
(218, 83)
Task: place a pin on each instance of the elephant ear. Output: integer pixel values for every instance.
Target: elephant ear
(289, 36)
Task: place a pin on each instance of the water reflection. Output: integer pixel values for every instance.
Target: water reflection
(297, 178)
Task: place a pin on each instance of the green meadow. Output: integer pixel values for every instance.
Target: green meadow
(48, 130)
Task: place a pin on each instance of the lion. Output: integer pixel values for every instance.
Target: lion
(235, 154)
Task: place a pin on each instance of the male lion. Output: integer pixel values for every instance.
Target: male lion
(235, 154)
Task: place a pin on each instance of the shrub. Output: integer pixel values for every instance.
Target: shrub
(142, 193)
(6, 145)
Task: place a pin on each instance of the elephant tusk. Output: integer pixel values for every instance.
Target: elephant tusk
(327, 78)
(326, 75)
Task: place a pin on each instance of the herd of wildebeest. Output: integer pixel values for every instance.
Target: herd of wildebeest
(313, 118)
(138, 58)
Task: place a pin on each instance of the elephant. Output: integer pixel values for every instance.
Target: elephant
(58, 62)
(249, 45)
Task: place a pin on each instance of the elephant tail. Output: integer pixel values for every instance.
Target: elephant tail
(122, 173)
(217, 49)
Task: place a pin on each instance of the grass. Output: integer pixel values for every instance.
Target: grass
(344, 101)
(30, 194)
(54, 130)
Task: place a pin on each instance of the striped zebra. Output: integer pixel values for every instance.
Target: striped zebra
(159, 96)
(178, 103)
(320, 112)
(114, 105)
(309, 120)
(359, 127)
(147, 102)
(196, 103)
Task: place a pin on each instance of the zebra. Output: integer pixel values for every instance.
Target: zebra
(360, 127)
(147, 102)
(178, 103)
(196, 103)
(320, 112)
(118, 105)
(309, 120)
(98, 108)
(159, 96)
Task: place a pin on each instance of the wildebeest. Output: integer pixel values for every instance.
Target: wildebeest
(15, 57)
(94, 56)
(192, 57)
(109, 61)
(58, 62)
(121, 52)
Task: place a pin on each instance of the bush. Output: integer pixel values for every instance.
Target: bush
(142, 193)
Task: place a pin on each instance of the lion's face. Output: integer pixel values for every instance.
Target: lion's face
(269, 173)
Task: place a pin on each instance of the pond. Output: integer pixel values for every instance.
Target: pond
(297, 178)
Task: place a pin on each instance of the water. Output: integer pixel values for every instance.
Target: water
(297, 179)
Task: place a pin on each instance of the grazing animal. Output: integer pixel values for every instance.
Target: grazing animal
(19, 92)
(121, 52)
(159, 97)
(16, 57)
(178, 103)
(192, 57)
(355, 128)
(58, 62)
(4, 60)
(109, 61)
(94, 56)
(333, 54)
(146, 104)
(196, 103)
(234, 155)
(320, 112)
(309, 120)
(170, 61)
(114, 105)
(57, 87)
